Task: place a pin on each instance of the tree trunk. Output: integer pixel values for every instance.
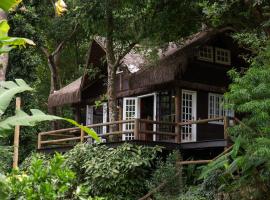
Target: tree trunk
(4, 56)
(111, 65)
(55, 77)
(111, 94)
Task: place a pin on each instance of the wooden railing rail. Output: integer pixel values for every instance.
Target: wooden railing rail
(157, 122)
(75, 134)
(201, 121)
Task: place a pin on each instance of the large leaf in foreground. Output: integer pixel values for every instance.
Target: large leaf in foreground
(7, 43)
(23, 119)
(8, 90)
(7, 4)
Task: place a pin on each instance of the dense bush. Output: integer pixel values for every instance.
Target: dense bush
(116, 173)
(167, 171)
(44, 178)
(40, 181)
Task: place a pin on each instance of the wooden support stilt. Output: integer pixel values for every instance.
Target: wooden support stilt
(16, 137)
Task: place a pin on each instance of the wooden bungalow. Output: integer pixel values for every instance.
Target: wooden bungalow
(176, 101)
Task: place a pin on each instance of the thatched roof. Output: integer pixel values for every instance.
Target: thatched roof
(67, 95)
(171, 64)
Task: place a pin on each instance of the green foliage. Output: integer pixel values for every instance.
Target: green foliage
(8, 4)
(166, 171)
(118, 173)
(193, 193)
(89, 131)
(41, 181)
(8, 43)
(246, 167)
(8, 90)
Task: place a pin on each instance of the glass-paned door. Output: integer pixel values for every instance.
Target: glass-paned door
(189, 107)
(130, 111)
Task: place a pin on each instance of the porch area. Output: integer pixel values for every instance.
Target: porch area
(170, 135)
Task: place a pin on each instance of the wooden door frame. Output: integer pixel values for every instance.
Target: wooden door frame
(154, 94)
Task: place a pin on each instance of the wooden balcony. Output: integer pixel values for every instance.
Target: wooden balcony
(135, 131)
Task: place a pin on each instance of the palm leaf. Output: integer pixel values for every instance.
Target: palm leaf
(8, 89)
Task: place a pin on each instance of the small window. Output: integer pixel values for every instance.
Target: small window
(216, 107)
(223, 56)
(206, 53)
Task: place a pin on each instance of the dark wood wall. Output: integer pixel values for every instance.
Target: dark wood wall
(212, 74)
(206, 131)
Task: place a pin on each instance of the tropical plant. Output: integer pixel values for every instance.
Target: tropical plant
(171, 173)
(41, 181)
(7, 43)
(8, 90)
(115, 173)
(245, 169)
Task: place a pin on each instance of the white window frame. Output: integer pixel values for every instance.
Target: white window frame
(208, 59)
(105, 111)
(89, 114)
(222, 112)
(225, 51)
(194, 114)
(129, 136)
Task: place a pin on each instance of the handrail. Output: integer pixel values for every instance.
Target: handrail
(68, 134)
(157, 122)
(200, 121)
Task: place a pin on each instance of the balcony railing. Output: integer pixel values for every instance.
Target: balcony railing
(134, 129)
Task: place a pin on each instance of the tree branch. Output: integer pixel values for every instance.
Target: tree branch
(45, 51)
(127, 50)
(61, 45)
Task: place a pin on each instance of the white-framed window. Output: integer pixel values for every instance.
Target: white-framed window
(206, 53)
(130, 111)
(222, 56)
(216, 107)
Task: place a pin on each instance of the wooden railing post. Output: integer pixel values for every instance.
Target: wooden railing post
(226, 125)
(178, 133)
(82, 136)
(39, 141)
(136, 128)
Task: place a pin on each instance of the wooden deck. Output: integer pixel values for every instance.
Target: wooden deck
(136, 131)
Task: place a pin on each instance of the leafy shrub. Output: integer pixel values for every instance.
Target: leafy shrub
(166, 171)
(41, 181)
(193, 193)
(116, 173)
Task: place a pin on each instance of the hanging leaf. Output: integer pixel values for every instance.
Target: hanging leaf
(4, 28)
(8, 4)
(8, 90)
(8, 43)
(23, 119)
(89, 131)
